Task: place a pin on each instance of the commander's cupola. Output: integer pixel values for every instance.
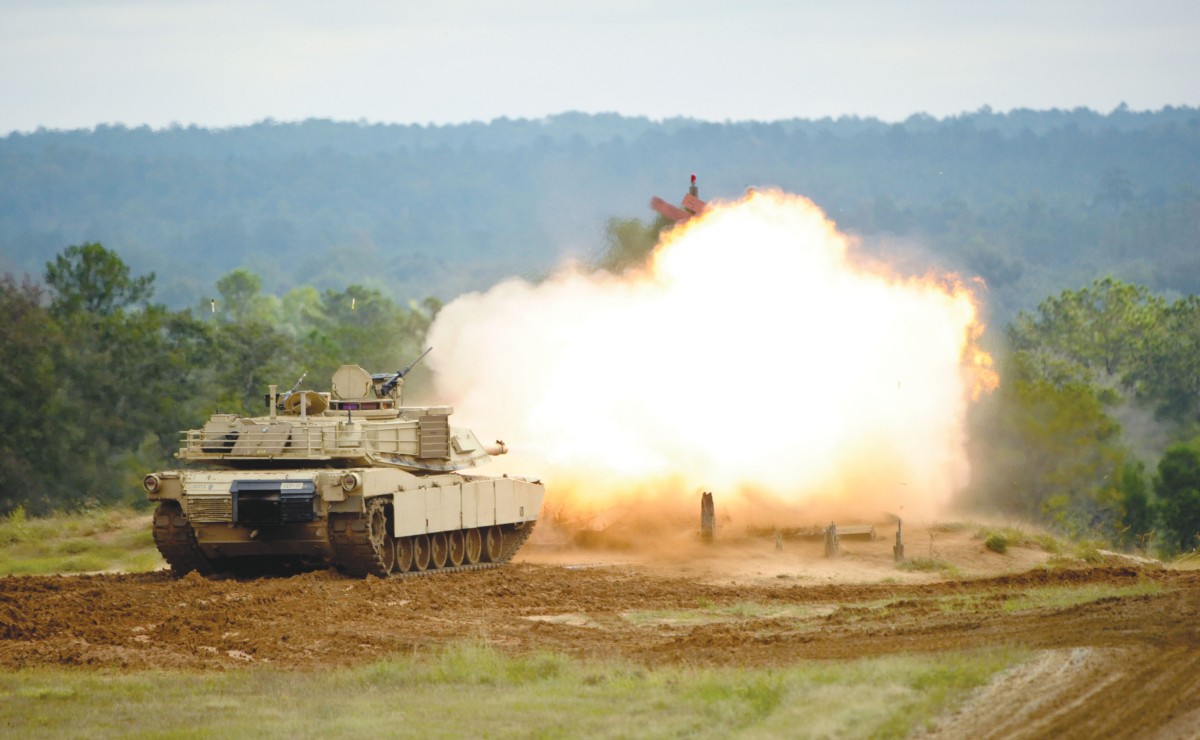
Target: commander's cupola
(358, 392)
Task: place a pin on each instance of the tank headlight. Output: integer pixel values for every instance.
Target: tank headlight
(151, 483)
(350, 481)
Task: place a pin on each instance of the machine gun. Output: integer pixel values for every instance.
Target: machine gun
(296, 387)
(283, 397)
(390, 385)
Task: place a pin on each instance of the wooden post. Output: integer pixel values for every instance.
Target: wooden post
(833, 548)
(708, 519)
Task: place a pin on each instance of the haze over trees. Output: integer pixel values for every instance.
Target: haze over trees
(1033, 201)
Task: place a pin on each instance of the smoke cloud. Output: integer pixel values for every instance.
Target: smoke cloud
(755, 356)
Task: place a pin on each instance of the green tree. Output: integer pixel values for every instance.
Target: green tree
(90, 279)
(1137, 511)
(246, 346)
(29, 342)
(246, 358)
(122, 379)
(1047, 450)
(1168, 376)
(1177, 487)
(1104, 329)
(362, 326)
(242, 299)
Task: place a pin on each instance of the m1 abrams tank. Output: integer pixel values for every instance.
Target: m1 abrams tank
(349, 478)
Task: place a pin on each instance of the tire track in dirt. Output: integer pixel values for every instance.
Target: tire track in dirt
(1086, 693)
(292, 621)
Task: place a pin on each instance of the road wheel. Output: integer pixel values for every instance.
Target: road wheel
(493, 544)
(404, 554)
(458, 547)
(474, 545)
(421, 552)
(439, 549)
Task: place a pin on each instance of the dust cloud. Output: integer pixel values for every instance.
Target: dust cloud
(756, 356)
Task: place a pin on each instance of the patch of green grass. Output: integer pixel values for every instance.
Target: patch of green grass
(1186, 561)
(806, 616)
(92, 540)
(1088, 552)
(949, 526)
(710, 613)
(930, 565)
(999, 539)
(1049, 543)
(473, 689)
(996, 542)
(1057, 597)
(1039, 597)
(1058, 562)
(964, 603)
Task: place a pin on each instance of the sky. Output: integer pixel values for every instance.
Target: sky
(80, 63)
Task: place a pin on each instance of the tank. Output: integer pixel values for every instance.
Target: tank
(349, 478)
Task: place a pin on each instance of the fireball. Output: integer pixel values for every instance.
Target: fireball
(755, 356)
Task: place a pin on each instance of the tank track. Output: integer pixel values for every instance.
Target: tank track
(355, 555)
(176, 541)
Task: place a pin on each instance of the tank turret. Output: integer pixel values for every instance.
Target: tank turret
(360, 421)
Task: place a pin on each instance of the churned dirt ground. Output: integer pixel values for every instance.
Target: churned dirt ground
(1123, 665)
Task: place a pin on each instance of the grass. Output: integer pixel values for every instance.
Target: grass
(83, 542)
(996, 543)
(1043, 597)
(1087, 551)
(711, 613)
(1186, 561)
(473, 689)
(1058, 597)
(809, 616)
(999, 539)
(930, 565)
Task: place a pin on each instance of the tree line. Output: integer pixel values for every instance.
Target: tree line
(1095, 428)
(99, 379)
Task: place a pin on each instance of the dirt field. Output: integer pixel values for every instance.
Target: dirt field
(1115, 665)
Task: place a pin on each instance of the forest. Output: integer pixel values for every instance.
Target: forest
(1032, 201)
(149, 278)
